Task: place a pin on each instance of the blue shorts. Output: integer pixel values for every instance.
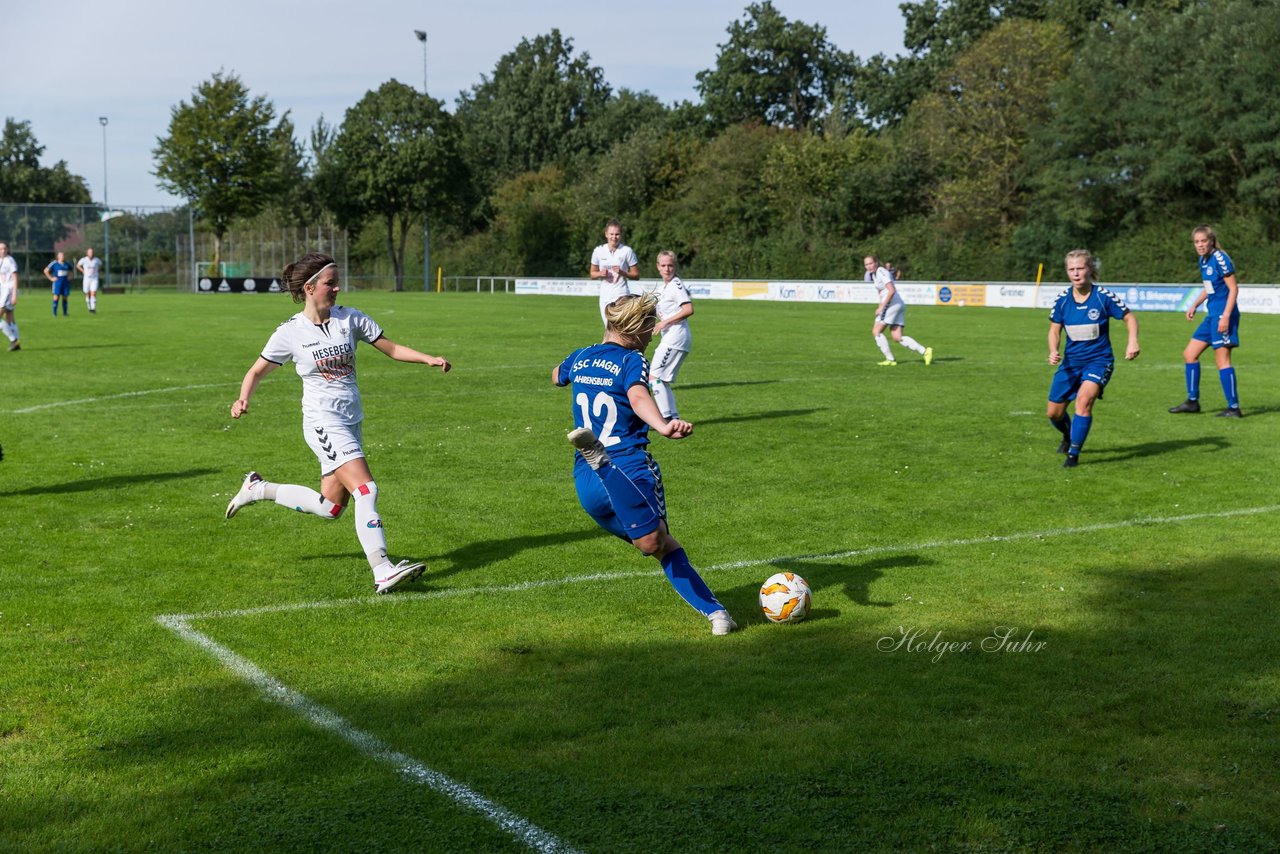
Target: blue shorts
(627, 502)
(1066, 382)
(62, 288)
(1208, 332)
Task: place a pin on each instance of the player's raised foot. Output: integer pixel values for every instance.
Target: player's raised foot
(1071, 461)
(1186, 406)
(589, 446)
(928, 355)
(721, 623)
(250, 491)
(887, 363)
(1231, 412)
(1064, 446)
(387, 577)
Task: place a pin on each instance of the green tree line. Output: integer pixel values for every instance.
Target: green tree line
(1007, 133)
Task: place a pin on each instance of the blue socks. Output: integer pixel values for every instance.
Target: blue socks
(1227, 377)
(1193, 380)
(1079, 432)
(685, 579)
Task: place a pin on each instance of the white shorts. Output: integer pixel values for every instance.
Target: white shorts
(333, 444)
(894, 315)
(666, 363)
(90, 286)
(6, 299)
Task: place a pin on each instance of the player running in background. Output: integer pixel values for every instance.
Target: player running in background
(1220, 329)
(89, 268)
(58, 271)
(675, 307)
(891, 313)
(321, 340)
(619, 484)
(8, 296)
(613, 262)
(1084, 368)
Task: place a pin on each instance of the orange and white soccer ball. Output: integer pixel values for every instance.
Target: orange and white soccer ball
(785, 598)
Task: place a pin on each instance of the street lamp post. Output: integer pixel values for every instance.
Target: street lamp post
(106, 224)
(426, 228)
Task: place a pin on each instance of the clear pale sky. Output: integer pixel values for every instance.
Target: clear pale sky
(63, 65)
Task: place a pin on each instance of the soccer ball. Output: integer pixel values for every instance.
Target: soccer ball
(785, 598)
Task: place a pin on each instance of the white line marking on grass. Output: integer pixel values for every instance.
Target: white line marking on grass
(402, 598)
(367, 743)
(142, 393)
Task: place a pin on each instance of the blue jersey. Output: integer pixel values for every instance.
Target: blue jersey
(1214, 271)
(1086, 324)
(60, 271)
(601, 375)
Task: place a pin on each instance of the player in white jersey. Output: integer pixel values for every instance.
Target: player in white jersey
(614, 263)
(675, 307)
(8, 296)
(891, 313)
(321, 341)
(89, 268)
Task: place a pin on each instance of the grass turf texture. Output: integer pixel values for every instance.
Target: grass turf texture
(604, 711)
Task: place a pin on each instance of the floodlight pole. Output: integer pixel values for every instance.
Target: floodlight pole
(426, 228)
(106, 224)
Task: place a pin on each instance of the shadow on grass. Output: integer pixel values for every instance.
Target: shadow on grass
(722, 384)
(760, 416)
(1152, 449)
(114, 482)
(855, 579)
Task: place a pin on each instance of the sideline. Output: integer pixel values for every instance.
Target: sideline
(144, 392)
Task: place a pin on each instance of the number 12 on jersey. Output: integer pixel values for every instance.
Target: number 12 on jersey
(603, 404)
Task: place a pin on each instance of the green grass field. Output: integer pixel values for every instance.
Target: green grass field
(550, 669)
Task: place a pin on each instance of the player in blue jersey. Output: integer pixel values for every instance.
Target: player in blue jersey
(58, 271)
(619, 484)
(1221, 327)
(1084, 312)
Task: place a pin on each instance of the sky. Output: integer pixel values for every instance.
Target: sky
(67, 64)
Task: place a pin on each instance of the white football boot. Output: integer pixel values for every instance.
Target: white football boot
(250, 491)
(589, 446)
(386, 576)
(721, 623)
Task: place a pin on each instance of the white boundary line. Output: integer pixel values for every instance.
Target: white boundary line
(367, 743)
(530, 834)
(142, 393)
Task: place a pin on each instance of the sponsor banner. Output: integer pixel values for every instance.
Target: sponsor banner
(229, 285)
(962, 294)
(1139, 297)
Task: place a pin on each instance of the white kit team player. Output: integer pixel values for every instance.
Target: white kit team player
(89, 268)
(8, 296)
(321, 341)
(613, 262)
(675, 307)
(891, 313)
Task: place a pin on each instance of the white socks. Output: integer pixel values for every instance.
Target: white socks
(912, 344)
(369, 524)
(301, 498)
(664, 397)
(883, 343)
(10, 330)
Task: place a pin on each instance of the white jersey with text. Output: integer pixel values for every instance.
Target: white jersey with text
(325, 357)
(672, 295)
(882, 278)
(604, 259)
(89, 267)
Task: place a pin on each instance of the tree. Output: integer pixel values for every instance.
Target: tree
(24, 180)
(772, 70)
(225, 153)
(395, 153)
(533, 112)
(976, 123)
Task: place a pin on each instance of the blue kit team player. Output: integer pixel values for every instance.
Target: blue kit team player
(1221, 327)
(618, 482)
(58, 272)
(1083, 311)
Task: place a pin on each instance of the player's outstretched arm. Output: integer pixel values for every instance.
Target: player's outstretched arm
(1132, 350)
(250, 384)
(401, 353)
(642, 404)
